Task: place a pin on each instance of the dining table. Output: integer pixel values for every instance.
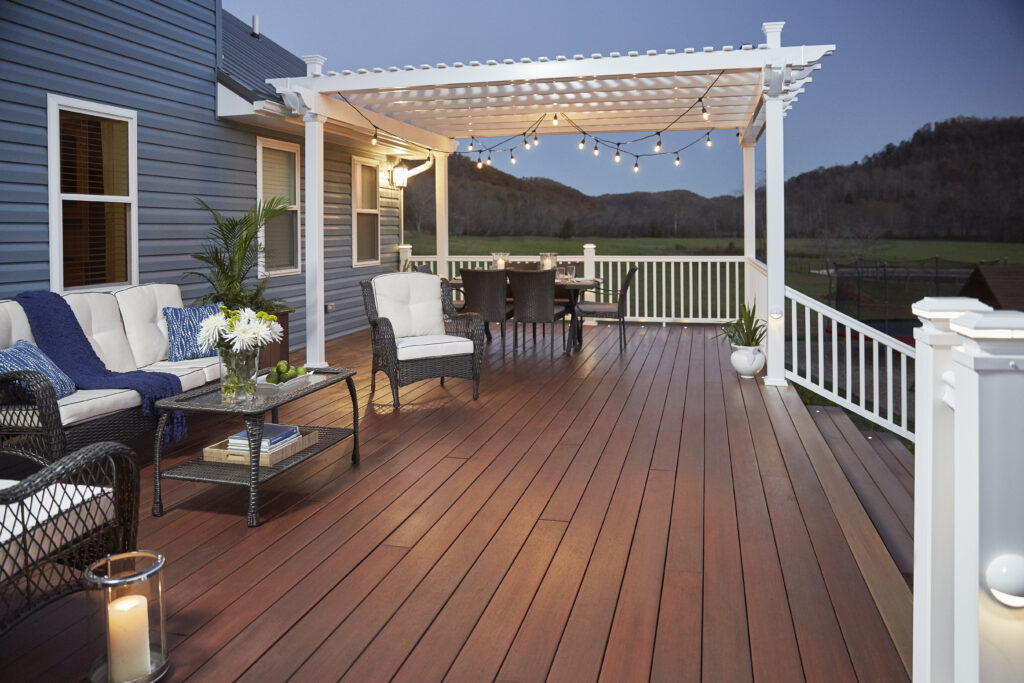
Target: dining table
(575, 287)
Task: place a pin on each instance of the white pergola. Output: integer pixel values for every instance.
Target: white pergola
(747, 89)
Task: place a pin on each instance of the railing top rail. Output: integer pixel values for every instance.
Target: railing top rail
(604, 259)
(852, 323)
(758, 265)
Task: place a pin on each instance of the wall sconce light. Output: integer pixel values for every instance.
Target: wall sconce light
(775, 313)
(1005, 580)
(399, 176)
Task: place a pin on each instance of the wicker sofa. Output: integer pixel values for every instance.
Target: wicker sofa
(127, 330)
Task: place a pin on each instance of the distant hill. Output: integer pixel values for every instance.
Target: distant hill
(958, 179)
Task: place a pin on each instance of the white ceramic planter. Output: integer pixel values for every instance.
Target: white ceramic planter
(747, 360)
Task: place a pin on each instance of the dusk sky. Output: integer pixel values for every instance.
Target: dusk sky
(898, 65)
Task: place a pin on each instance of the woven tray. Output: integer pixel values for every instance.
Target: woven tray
(219, 451)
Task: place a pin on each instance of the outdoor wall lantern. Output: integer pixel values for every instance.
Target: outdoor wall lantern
(548, 260)
(500, 259)
(128, 636)
(400, 176)
(775, 313)
(1005, 580)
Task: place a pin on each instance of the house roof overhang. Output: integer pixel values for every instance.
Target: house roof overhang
(600, 94)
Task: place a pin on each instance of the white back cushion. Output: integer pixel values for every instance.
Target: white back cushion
(100, 318)
(142, 309)
(411, 301)
(13, 324)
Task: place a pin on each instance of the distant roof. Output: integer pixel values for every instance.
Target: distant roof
(999, 286)
(249, 60)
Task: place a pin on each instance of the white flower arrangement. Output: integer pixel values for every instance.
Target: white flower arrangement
(238, 331)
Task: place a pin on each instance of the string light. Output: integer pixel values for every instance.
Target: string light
(479, 164)
(470, 148)
(536, 140)
(596, 150)
(618, 157)
(583, 142)
(554, 121)
(636, 166)
(488, 159)
(677, 160)
(707, 142)
(657, 145)
(374, 140)
(705, 114)
(526, 143)
(512, 159)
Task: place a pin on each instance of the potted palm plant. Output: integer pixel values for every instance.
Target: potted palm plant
(230, 254)
(746, 334)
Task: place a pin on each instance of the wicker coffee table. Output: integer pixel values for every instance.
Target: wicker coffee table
(268, 398)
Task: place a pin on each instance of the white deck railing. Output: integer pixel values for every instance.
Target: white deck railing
(706, 289)
(850, 363)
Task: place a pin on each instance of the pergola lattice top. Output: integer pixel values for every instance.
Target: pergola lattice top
(601, 93)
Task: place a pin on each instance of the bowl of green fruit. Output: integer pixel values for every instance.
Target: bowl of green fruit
(285, 374)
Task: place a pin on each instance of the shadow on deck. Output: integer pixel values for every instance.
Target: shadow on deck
(622, 516)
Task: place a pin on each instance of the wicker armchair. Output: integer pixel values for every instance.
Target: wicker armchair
(66, 515)
(599, 309)
(533, 293)
(416, 333)
(486, 295)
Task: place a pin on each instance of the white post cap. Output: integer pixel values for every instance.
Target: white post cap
(314, 64)
(946, 307)
(773, 32)
(990, 325)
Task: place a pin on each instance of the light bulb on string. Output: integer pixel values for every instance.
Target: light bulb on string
(512, 159)
(479, 163)
(677, 160)
(596, 150)
(488, 159)
(618, 157)
(470, 148)
(704, 110)
(583, 143)
(554, 121)
(657, 145)
(636, 166)
(373, 141)
(526, 143)
(707, 142)
(536, 140)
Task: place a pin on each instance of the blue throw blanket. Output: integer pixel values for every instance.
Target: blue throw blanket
(59, 335)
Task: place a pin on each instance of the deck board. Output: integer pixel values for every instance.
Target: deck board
(600, 515)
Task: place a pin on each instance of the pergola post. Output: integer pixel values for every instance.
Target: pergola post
(775, 212)
(750, 227)
(441, 212)
(314, 203)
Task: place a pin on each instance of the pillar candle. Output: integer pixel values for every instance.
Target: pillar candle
(128, 633)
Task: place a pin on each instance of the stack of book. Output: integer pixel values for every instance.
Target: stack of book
(275, 436)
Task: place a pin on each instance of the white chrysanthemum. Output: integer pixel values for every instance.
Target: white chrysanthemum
(251, 332)
(211, 329)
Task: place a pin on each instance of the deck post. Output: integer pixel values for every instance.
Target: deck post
(314, 202)
(441, 212)
(749, 225)
(404, 256)
(775, 213)
(933, 487)
(988, 506)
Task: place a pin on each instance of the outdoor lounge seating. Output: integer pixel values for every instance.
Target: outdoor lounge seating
(128, 331)
(601, 309)
(416, 333)
(69, 513)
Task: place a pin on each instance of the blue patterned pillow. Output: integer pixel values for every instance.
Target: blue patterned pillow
(183, 331)
(26, 356)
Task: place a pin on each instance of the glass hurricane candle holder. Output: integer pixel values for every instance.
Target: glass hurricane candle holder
(127, 632)
(548, 260)
(499, 259)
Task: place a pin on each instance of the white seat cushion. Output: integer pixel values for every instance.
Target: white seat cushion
(432, 346)
(411, 301)
(142, 310)
(210, 367)
(86, 404)
(51, 518)
(13, 324)
(191, 376)
(100, 317)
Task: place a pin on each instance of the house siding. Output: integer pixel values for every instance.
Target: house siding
(159, 60)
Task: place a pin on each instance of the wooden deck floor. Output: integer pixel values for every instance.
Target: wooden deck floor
(596, 516)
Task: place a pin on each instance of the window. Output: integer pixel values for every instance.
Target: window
(365, 212)
(93, 194)
(278, 176)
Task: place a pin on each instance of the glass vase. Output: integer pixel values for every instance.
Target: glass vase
(238, 374)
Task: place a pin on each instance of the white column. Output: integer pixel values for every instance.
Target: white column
(988, 508)
(314, 202)
(933, 487)
(441, 212)
(750, 227)
(775, 212)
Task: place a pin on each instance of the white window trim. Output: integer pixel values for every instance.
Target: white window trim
(356, 191)
(297, 150)
(54, 105)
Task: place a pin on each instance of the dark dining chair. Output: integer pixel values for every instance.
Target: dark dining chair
(599, 309)
(533, 301)
(484, 291)
(423, 269)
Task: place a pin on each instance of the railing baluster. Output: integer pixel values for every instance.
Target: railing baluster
(862, 368)
(672, 290)
(689, 291)
(807, 340)
(888, 381)
(874, 376)
(849, 364)
(903, 390)
(821, 349)
(793, 345)
(835, 357)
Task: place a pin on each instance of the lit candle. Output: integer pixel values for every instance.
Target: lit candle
(128, 633)
(500, 263)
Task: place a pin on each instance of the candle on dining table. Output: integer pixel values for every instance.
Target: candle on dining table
(128, 633)
(499, 263)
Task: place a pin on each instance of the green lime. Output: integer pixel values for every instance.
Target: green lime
(293, 373)
(282, 366)
(302, 369)
(272, 377)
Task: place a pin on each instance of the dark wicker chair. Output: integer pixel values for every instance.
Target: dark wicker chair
(403, 372)
(66, 515)
(485, 295)
(533, 294)
(617, 310)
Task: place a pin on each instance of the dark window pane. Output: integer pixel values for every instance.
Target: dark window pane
(279, 240)
(366, 237)
(95, 243)
(93, 155)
